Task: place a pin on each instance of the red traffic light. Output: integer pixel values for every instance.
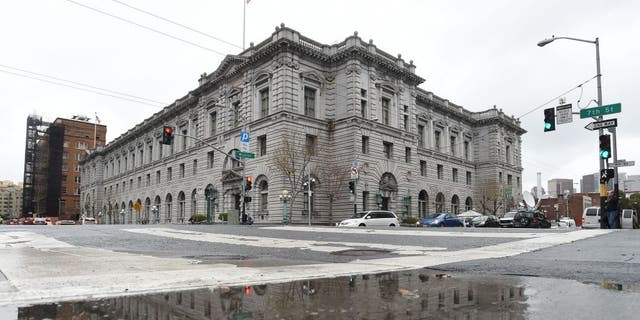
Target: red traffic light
(167, 135)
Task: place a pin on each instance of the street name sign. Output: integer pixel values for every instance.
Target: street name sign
(602, 124)
(564, 114)
(622, 163)
(601, 110)
(248, 155)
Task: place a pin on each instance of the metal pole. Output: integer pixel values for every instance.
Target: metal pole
(603, 186)
(309, 189)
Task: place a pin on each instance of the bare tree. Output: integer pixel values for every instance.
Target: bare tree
(491, 198)
(334, 179)
(292, 158)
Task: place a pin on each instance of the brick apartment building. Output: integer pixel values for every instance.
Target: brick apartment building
(556, 208)
(52, 171)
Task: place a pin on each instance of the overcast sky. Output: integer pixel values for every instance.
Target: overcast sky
(477, 54)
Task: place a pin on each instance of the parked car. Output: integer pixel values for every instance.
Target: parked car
(567, 223)
(441, 220)
(530, 219)
(629, 219)
(507, 219)
(468, 216)
(371, 218)
(88, 220)
(65, 222)
(489, 221)
(39, 221)
(591, 218)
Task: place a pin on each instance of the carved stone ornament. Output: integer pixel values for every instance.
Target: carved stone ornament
(148, 139)
(388, 183)
(353, 69)
(330, 76)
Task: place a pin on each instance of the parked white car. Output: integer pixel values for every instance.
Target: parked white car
(629, 219)
(371, 218)
(591, 218)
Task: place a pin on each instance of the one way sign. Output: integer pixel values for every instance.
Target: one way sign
(602, 124)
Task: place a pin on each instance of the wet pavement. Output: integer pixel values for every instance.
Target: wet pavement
(415, 294)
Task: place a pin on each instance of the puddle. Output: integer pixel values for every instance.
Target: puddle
(416, 294)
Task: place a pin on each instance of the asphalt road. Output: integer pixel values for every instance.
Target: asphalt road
(56, 263)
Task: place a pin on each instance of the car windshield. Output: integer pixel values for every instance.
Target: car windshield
(437, 215)
(480, 218)
(359, 215)
(509, 214)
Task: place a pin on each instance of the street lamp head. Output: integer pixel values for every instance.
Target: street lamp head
(546, 42)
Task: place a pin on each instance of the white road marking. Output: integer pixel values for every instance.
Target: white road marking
(418, 232)
(267, 242)
(39, 273)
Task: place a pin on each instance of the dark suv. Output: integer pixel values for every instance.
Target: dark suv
(530, 219)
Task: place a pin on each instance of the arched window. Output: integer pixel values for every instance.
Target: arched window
(158, 209)
(455, 204)
(181, 207)
(147, 211)
(423, 204)
(468, 204)
(439, 202)
(264, 195)
(168, 202)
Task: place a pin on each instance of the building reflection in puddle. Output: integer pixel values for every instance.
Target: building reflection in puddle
(416, 294)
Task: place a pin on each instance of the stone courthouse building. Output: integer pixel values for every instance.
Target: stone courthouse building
(329, 111)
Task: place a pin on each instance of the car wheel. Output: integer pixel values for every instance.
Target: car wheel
(392, 225)
(362, 225)
(524, 221)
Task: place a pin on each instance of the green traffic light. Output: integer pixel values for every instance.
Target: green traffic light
(547, 125)
(604, 154)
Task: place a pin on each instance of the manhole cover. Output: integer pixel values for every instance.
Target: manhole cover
(360, 252)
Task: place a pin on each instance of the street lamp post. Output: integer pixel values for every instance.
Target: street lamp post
(154, 210)
(122, 216)
(308, 185)
(603, 186)
(284, 198)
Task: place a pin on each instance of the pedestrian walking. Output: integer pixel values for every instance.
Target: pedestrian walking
(612, 210)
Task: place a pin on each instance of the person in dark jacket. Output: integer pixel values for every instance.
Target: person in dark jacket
(612, 210)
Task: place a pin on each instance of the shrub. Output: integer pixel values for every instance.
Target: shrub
(197, 218)
(409, 220)
(223, 216)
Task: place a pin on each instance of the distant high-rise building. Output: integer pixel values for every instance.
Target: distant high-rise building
(590, 183)
(51, 172)
(10, 199)
(557, 187)
(632, 184)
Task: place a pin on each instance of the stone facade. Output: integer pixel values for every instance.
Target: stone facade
(10, 199)
(337, 107)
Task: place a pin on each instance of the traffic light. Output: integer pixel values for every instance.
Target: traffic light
(549, 119)
(606, 174)
(605, 146)
(167, 135)
(247, 185)
(352, 186)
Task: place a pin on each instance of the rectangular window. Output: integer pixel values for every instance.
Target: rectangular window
(466, 150)
(469, 177)
(78, 156)
(213, 120)
(81, 145)
(150, 151)
(262, 145)
(195, 167)
(235, 109)
(365, 145)
(406, 118)
(500, 177)
(454, 175)
(76, 179)
(508, 154)
(169, 174)
(407, 155)
(440, 172)
(264, 102)
(509, 179)
(158, 177)
(65, 155)
(139, 182)
(148, 180)
(130, 184)
(388, 149)
(210, 159)
(65, 167)
(264, 201)
(363, 108)
(436, 136)
(65, 144)
(141, 157)
(423, 168)
(420, 136)
(453, 145)
(518, 182)
(63, 190)
(311, 144)
(181, 172)
(385, 111)
(184, 132)
(64, 178)
(310, 102)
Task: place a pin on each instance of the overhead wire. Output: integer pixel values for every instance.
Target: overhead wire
(84, 84)
(146, 27)
(556, 98)
(177, 23)
(79, 88)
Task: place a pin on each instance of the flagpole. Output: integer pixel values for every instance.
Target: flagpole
(244, 17)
